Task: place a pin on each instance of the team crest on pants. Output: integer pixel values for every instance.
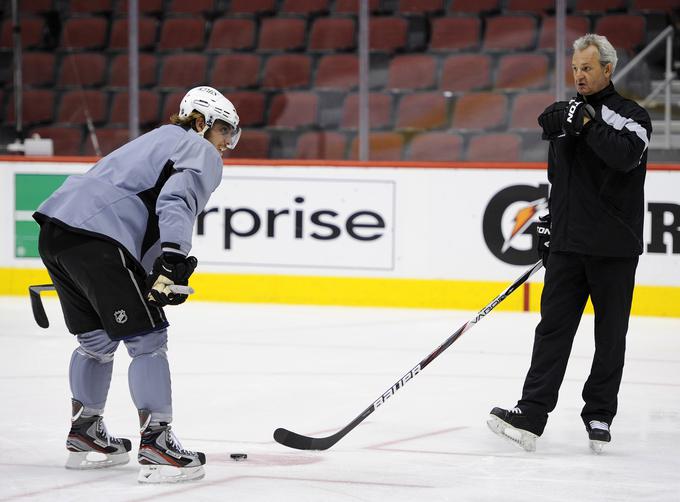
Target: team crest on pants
(120, 316)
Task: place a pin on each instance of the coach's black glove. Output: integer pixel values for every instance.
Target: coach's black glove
(551, 120)
(543, 242)
(576, 112)
(169, 269)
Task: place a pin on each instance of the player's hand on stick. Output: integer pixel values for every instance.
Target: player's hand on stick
(543, 242)
(578, 113)
(551, 120)
(170, 270)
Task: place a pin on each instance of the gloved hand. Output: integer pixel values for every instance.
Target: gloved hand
(169, 269)
(575, 114)
(551, 120)
(543, 242)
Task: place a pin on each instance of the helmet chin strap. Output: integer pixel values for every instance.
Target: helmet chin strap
(202, 131)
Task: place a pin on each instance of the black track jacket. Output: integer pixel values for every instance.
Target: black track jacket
(597, 178)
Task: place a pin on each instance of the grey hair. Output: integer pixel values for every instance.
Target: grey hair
(604, 47)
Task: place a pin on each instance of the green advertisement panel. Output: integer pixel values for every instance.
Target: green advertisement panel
(29, 192)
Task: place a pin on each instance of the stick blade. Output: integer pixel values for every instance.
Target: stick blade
(299, 442)
(38, 310)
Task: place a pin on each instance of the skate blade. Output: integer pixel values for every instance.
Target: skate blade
(524, 439)
(597, 446)
(169, 474)
(79, 460)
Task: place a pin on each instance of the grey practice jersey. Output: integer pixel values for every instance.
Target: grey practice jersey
(147, 192)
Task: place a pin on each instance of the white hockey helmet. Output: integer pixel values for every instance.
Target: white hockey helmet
(212, 104)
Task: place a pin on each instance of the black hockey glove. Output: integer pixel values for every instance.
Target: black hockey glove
(575, 114)
(543, 242)
(551, 120)
(169, 269)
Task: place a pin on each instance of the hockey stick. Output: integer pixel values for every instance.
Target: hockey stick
(39, 311)
(300, 442)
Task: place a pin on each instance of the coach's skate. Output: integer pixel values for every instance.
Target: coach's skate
(162, 457)
(514, 426)
(90, 445)
(598, 434)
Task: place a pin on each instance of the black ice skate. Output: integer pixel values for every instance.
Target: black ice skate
(598, 434)
(515, 426)
(90, 445)
(162, 457)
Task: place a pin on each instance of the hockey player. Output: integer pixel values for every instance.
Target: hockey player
(115, 242)
(596, 166)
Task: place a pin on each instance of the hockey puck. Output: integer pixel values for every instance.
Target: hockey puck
(238, 456)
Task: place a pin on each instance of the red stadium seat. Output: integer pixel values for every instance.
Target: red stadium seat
(66, 140)
(624, 31)
(34, 6)
(286, 71)
(182, 33)
(171, 105)
(576, 26)
(146, 33)
(510, 32)
(412, 71)
(352, 6)
(31, 33)
(84, 69)
(482, 110)
(253, 144)
(421, 6)
(183, 70)
(495, 148)
(191, 6)
(332, 34)
(233, 71)
(526, 109)
(90, 6)
(466, 72)
(536, 6)
(380, 111)
(252, 6)
(232, 34)
(281, 34)
(387, 33)
(293, 109)
(522, 71)
(249, 106)
(600, 6)
(304, 7)
(455, 33)
(422, 111)
(120, 70)
(148, 108)
(37, 107)
(436, 147)
(37, 68)
(338, 71)
(75, 104)
(475, 7)
(655, 5)
(382, 146)
(84, 33)
(109, 139)
(144, 6)
(321, 145)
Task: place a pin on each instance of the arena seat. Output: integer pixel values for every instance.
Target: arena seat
(82, 69)
(321, 145)
(332, 34)
(252, 6)
(35, 6)
(387, 33)
(90, 6)
(191, 6)
(281, 34)
(466, 72)
(147, 71)
(576, 26)
(182, 33)
(31, 33)
(232, 71)
(420, 7)
(285, 71)
(505, 33)
(494, 148)
(535, 6)
(352, 6)
(249, 106)
(526, 109)
(436, 147)
(483, 110)
(522, 71)
(66, 140)
(183, 70)
(74, 103)
(338, 71)
(380, 111)
(599, 6)
(253, 144)
(624, 31)
(304, 7)
(38, 107)
(84, 33)
(232, 34)
(108, 138)
(474, 7)
(146, 34)
(149, 106)
(655, 5)
(455, 33)
(382, 146)
(293, 109)
(422, 111)
(412, 71)
(144, 7)
(37, 68)
(171, 103)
